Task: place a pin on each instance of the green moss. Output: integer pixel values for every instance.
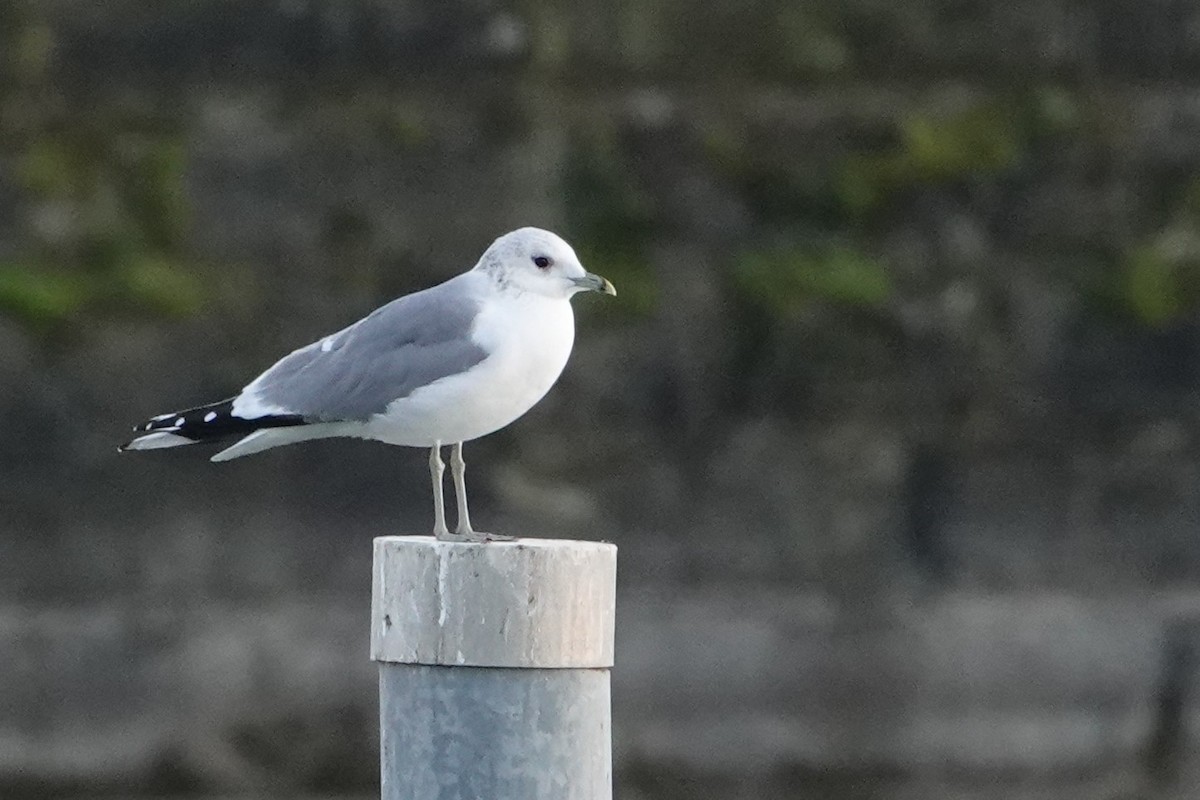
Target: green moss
(976, 143)
(47, 168)
(785, 280)
(37, 297)
(1160, 282)
(43, 298)
(107, 180)
(152, 192)
(160, 286)
(981, 141)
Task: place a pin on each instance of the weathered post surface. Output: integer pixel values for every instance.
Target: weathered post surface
(494, 668)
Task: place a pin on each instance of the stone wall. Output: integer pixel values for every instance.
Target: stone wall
(893, 419)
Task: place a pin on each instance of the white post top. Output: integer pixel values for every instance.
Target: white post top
(538, 603)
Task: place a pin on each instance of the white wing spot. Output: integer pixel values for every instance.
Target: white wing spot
(179, 422)
(210, 416)
(327, 344)
(160, 417)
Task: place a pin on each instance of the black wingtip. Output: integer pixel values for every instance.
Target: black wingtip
(212, 422)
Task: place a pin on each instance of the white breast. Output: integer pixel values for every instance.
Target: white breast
(529, 338)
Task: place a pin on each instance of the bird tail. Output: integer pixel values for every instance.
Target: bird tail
(209, 423)
(267, 438)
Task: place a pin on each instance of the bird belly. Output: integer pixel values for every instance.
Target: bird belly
(528, 352)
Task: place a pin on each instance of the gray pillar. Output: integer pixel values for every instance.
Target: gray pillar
(494, 668)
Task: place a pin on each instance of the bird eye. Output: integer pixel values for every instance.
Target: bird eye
(541, 262)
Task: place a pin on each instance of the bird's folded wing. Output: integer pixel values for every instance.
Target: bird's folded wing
(356, 372)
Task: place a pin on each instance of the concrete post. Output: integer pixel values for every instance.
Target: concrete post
(494, 668)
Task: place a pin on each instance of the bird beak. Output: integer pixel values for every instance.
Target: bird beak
(591, 282)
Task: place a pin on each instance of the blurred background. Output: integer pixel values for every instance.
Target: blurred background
(894, 418)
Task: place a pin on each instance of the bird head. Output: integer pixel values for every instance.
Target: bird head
(538, 261)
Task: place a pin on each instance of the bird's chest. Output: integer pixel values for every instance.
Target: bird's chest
(529, 344)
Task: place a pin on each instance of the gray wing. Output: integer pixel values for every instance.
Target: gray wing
(356, 372)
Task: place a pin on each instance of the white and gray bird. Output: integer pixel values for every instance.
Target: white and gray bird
(437, 367)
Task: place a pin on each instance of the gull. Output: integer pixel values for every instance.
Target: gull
(441, 366)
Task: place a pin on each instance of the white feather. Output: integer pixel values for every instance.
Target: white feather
(247, 405)
(267, 438)
(158, 440)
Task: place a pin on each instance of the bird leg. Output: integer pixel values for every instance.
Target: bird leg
(464, 532)
(458, 469)
(436, 470)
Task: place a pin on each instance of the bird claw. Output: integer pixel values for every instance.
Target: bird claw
(475, 537)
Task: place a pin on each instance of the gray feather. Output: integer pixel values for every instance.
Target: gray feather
(408, 343)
